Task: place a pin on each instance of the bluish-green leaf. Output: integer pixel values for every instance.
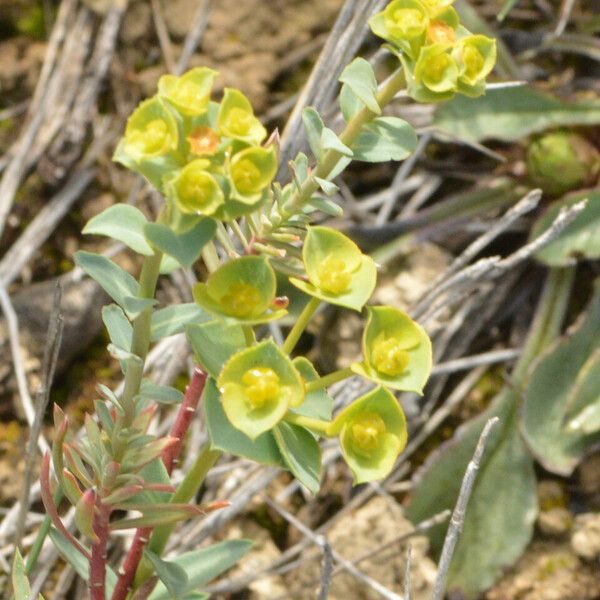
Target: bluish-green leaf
(214, 343)
(317, 404)
(328, 187)
(118, 326)
(184, 247)
(159, 393)
(313, 124)
(359, 76)
(301, 453)
(20, 582)
(124, 223)
(153, 472)
(350, 104)
(224, 436)
(330, 141)
(325, 205)
(385, 139)
(173, 319)
(172, 575)
(201, 566)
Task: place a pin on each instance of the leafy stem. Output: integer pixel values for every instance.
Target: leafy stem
(329, 379)
(300, 325)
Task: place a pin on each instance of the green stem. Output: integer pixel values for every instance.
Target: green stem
(36, 547)
(328, 380)
(186, 490)
(316, 425)
(210, 257)
(249, 335)
(300, 325)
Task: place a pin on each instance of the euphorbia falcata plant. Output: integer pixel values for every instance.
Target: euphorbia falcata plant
(214, 165)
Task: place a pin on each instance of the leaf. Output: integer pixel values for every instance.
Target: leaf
(160, 393)
(329, 188)
(350, 104)
(509, 114)
(583, 402)
(360, 78)
(118, 326)
(224, 436)
(579, 239)
(214, 343)
(544, 407)
(503, 505)
(325, 205)
(172, 575)
(124, 223)
(173, 319)
(385, 139)
(317, 404)
(330, 141)
(20, 583)
(301, 453)
(184, 247)
(313, 124)
(152, 473)
(201, 566)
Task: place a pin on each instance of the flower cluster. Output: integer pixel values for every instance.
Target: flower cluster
(440, 57)
(206, 157)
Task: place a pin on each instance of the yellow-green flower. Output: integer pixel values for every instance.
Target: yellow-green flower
(338, 272)
(236, 119)
(396, 350)
(437, 6)
(475, 56)
(436, 70)
(190, 93)
(258, 385)
(403, 23)
(242, 290)
(372, 433)
(251, 172)
(195, 190)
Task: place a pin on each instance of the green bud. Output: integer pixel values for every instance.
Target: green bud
(258, 385)
(397, 351)
(236, 119)
(476, 57)
(242, 290)
(190, 93)
(338, 272)
(251, 171)
(195, 190)
(561, 161)
(372, 433)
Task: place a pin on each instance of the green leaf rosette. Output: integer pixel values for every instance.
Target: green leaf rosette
(372, 433)
(476, 57)
(150, 140)
(258, 385)
(195, 190)
(190, 93)
(236, 119)
(403, 23)
(251, 172)
(242, 291)
(397, 351)
(338, 272)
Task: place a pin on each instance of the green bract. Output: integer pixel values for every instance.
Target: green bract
(190, 93)
(236, 119)
(435, 74)
(397, 351)
(403, 23)
(475, 56)
(372, 432)
(251, 171)
(338, 272)
(242, 290)
(258, 385)
(195, 190)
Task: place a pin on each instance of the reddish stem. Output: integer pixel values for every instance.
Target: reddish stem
(183, 419)
(98, 560)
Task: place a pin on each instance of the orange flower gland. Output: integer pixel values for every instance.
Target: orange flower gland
(366, 431)
(152, 138)
(245, 176)
(439, 32)
(203, 140)
(241, 300)
(333, 275)
(388, 357)
(239, 121)
(262, 386)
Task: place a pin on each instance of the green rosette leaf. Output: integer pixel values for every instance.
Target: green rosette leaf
(150, 141)
(242, 291)
(258, 385)
(195, 190)
(251, 172)
(190, 93)
(236, 119)
(372, 433)
(403, 23)
(475, 56)
(397, 350)
(338, 272)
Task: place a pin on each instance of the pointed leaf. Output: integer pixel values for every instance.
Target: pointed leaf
(330, 141)
(160, 393)
(20, 583)
(173, 319)
(360, 78)
(118, 326)
(313, 124)
(172, 575)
